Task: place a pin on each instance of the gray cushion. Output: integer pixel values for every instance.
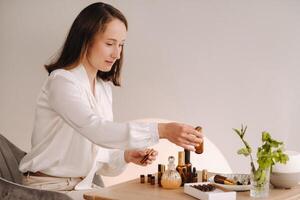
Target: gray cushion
(11, 187)
(14, 191)
(10, 156)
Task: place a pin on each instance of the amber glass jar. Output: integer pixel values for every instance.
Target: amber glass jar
(200, 146)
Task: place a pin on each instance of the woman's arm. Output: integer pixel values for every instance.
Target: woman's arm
(119, 159)
(71, 103)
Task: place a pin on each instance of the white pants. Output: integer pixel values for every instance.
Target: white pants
(51, 183)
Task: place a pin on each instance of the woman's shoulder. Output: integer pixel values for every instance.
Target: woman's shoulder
(62, 74)
(61, 78)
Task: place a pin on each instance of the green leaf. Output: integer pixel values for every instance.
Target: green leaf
(243, 130)
(265, 136)
(283, 158)
(238, 132)
(244, 151)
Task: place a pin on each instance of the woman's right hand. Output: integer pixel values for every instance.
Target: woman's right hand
(180, 134)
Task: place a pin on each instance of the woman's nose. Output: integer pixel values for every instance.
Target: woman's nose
(116, 53)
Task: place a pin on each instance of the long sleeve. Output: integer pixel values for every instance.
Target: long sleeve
(116, 164)
(71, 102)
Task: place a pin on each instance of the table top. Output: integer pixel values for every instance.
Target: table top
(135, 190)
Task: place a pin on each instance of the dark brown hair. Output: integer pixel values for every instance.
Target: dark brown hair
(90, 21)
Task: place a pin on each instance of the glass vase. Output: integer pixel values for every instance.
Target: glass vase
(171, 179)
(260, 183)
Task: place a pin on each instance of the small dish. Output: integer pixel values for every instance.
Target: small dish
(216, 194)
(243, 178)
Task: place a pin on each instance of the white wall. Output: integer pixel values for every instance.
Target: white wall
(212, 63)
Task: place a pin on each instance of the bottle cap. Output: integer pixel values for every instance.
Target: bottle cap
(187, 156)
(161, 168)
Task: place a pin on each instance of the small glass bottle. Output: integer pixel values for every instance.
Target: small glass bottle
(149, 178)
(142, 178)
(161, 170)
(200, 147)
(153, 180)
(204, 175)
(188, 166)
(195, 175)
(181, 168)
(171, 178)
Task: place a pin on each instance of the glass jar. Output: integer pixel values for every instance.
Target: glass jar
(260, 183)
(171, 178)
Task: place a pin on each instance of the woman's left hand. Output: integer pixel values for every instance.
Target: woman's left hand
(138, 156)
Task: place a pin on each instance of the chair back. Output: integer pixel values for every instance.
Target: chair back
(10, 157)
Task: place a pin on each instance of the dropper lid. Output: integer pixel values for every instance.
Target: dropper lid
(171, 165)
(187, 156)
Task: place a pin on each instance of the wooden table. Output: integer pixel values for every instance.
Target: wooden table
(133, 190)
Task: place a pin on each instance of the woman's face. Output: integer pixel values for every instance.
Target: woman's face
(107, 46)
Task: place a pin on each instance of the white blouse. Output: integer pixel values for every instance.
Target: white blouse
(74, 134)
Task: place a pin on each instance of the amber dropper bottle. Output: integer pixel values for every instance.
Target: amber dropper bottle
(195, 175)
(161, 170)
(181, 168)
(200, 147)
(188, 165)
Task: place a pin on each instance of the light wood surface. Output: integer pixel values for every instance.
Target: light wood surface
(133, 190)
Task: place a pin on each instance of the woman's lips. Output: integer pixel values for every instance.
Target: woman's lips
(109, 62)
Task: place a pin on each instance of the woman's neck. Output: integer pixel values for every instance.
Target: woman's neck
(91, 72)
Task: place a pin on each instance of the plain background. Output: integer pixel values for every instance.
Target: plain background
(212, 63)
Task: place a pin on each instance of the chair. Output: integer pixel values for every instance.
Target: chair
(212, 159)
(11, 187)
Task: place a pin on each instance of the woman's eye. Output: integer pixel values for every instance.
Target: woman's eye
(109, 44)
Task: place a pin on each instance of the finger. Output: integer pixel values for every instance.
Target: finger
(188, 147)
(152, 158)
(183, 141)
(154, 153)
(193, 139)
(148, 162)
(142, 152)
(148, 151)
(198, 134)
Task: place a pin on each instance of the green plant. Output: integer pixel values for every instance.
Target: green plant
(268, 154)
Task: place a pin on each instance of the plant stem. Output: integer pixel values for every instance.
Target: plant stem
(251, 158)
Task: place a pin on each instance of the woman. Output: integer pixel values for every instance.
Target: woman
(74, 134)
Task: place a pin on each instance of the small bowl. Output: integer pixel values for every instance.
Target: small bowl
(287, 175)
(285, 180)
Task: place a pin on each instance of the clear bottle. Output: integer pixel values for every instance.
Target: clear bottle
(171, 178)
